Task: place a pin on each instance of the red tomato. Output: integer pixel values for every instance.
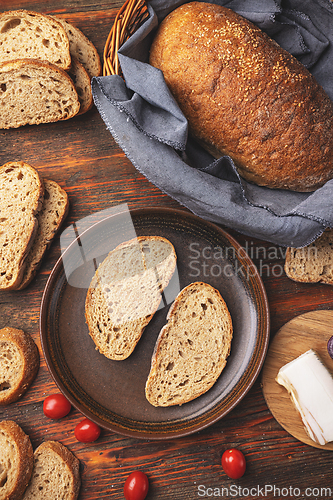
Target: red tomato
(233, 463)
(56, 406)
(87, 431)
(136, 486)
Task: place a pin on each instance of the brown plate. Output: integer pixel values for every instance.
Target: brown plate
(112, 393)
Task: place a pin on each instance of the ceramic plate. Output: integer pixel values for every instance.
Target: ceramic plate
(112, 393)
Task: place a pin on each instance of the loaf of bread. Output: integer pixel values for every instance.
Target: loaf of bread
(34, 92)
(16, 460)
(246, 97)
(312, 263)
(19, 363)
(21, 198)
(26, 34)
(125, 293)
(56, 473)
(50, 218)
(192, 348)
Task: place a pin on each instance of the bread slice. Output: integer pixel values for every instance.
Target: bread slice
(16, 460)
(56, 474)
(312, 263)
(21, 197)
(125, 293)
(34, 92)
(19, 363)
(50, 218)
(81, 80)
(192, 348)
(26, 34)
(82, 48)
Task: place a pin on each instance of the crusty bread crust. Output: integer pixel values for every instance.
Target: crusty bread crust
(19, 364)
(312, 263)
(21, 197)
(125, 293)
(50, 218)
(56, 473)
(191, 350)
(246, 97)
(16, 460)
(28, 34)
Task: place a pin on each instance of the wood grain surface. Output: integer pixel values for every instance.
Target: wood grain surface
(311, 330)
(81, 155)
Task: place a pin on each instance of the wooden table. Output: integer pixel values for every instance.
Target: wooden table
(83, 157)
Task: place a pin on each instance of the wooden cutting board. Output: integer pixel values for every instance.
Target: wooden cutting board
(307, 331)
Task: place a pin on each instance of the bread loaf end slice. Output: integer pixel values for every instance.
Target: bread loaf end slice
(34, 92)
(126, 292)
(312, 263)
(55, 474)
(19, 364)
(21, 197)
(192, 348)
(16, 460)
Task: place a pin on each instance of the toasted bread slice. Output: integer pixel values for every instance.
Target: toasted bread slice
(19, 363)
(82, 48)
(34, 92)
(312, 263)
(21, 197)
(54, 211)
(192, 348)
(56, 474)
(16, 460)
(125, 293)
(27, 34)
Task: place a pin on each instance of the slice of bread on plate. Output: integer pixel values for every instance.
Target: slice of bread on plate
(82, 48)
(19, 364)
(125, 293)
(56, 473)
(26, 34)
(312, 263)
(192, 348)
(52, 214)
(16, 460)
(21, 197)
(33, 92)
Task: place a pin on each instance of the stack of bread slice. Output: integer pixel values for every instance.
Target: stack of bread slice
(31, 212)
(52, 471)
(45, 70)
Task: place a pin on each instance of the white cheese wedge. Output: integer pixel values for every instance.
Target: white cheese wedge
(310, 386)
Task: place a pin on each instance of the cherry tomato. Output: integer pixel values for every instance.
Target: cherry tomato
(136, 486)
(56, 406)
(87, 431)
(233, 463)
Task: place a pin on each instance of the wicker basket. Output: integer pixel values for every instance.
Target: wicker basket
(128, 19)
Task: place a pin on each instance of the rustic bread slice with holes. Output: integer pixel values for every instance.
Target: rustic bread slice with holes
(81, 80)
(21, 197)
(312, 263)
(192, 348)
(34, 92)
(50, 218)
(27, 34)
(19, 364)
(82, 48)
(56, 474)
(16, 460)
(125, 293)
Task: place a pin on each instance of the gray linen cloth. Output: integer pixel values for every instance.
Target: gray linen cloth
(146, 122)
